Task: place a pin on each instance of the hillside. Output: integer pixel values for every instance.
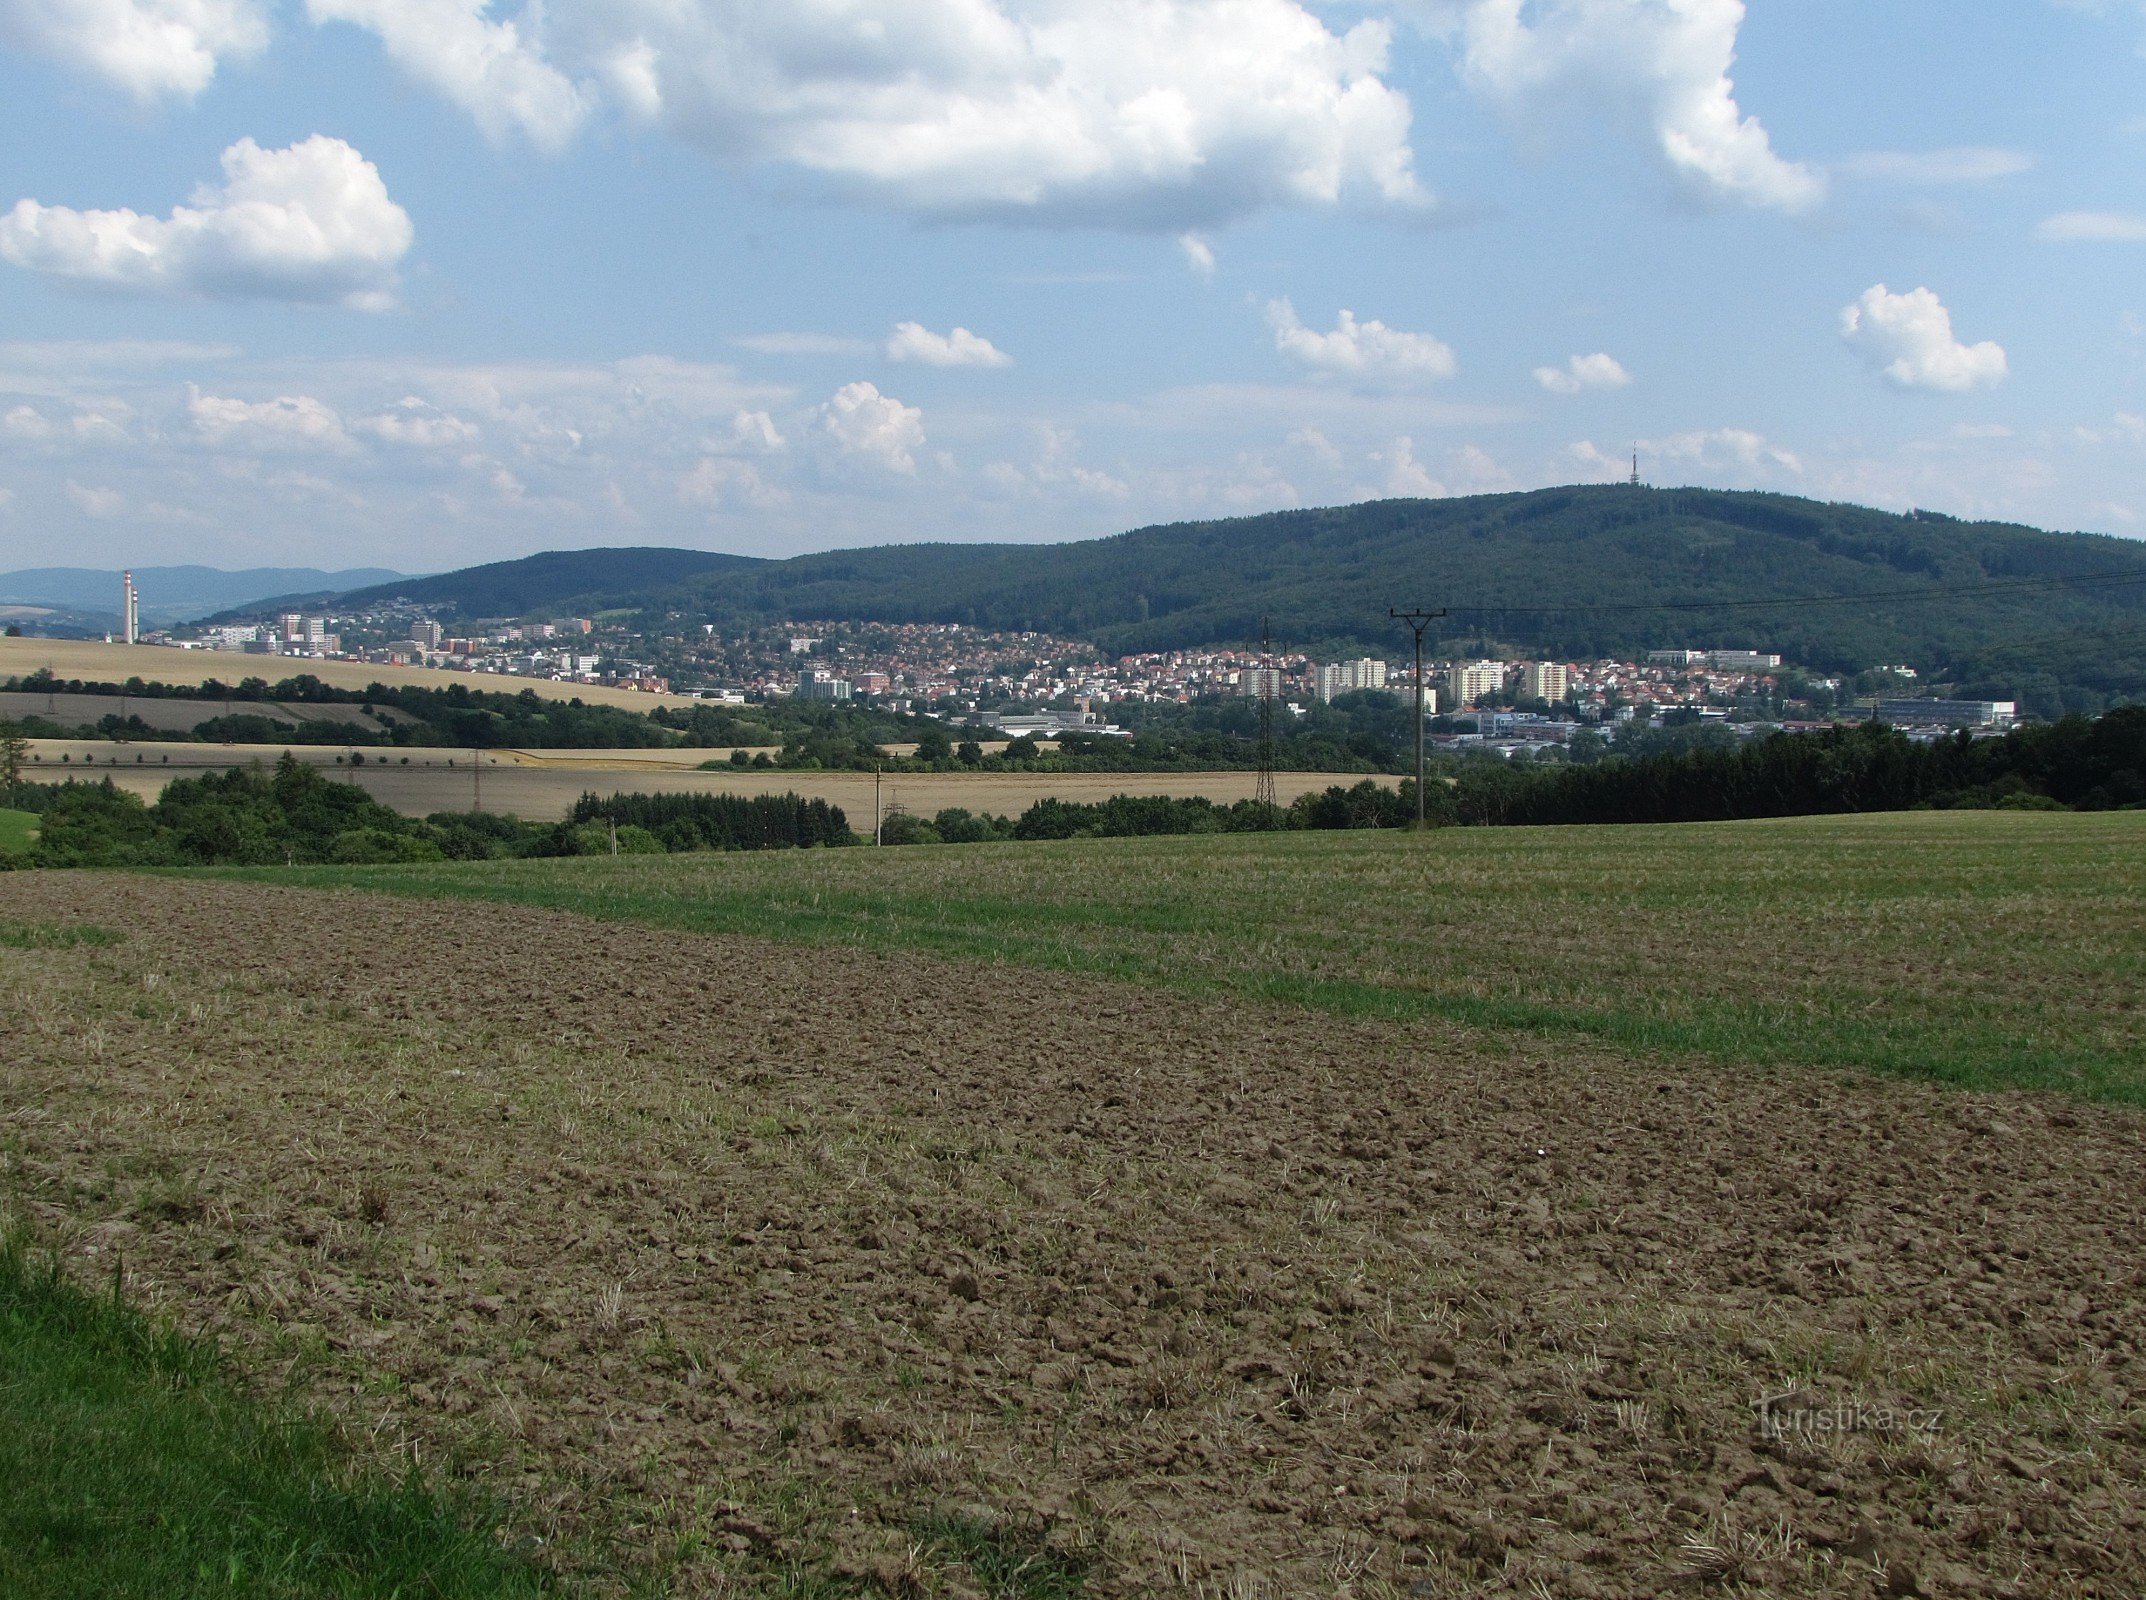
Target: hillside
(1577, 572)
(173, 594)
(557, 581)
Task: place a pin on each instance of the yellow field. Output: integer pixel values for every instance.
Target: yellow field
(115, 663)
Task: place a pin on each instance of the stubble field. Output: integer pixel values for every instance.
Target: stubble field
(835, 1268)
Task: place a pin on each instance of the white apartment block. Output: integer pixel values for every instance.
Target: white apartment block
(1544, 680)
(1468, 681)
(1346, 677)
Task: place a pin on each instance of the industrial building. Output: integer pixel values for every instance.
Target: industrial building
(1949, 713)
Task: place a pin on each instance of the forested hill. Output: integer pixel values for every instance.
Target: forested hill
(1575, 572)
(555, 581)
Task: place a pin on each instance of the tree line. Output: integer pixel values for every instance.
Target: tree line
(292, 813)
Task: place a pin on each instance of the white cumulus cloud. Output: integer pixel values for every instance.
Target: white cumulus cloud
(912, 341)
(2094, 227)
(1909, 339)
(1160, 114)
(1199, 253)
(149, 48)
(1360, 349)
(756, 430)
(1405, 476)
(492, 68)
(417, 424)
(286, 422)
(1581, 373)
(1663, 63)
(721, 480)
(312, 222)
(874, 426)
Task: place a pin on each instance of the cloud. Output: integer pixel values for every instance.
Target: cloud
(149, 48)
(1199, 255)
(912, 341)
(2094, 227)
(1406, 477)
(1152, 114)
(876, 427)
(419, 425)
(1964, 164)
(286, 422)
(26, 422)
(802, 344)
(1735, 453)
(1662, 63)
(1323, 449)
(1055, 468)
(1908, 338)
(1598, 371)
(720, 480)
(756, 430)
(1360, 349)
(312, 222)
(97, 502)
(492, 70)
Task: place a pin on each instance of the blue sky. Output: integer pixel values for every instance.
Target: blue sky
(426, 282)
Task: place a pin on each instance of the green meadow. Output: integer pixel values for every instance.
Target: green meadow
(17, 829)
(1985, 949)
(137, 1469)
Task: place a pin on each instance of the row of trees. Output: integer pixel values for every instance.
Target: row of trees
(292, 813)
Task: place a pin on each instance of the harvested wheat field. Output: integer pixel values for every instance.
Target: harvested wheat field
(815, 1271)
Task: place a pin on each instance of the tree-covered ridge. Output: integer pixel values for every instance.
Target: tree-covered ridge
(1575, 573)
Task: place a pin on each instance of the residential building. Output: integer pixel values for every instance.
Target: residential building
(1258, 681)
(1741, 661)
(822, 686)
(1347, 677)
(1468, 681)
(1545, 680)
(131, 606)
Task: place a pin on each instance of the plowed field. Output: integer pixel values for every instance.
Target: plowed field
(890, 1275)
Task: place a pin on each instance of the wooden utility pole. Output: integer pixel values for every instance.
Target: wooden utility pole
(1418, 619)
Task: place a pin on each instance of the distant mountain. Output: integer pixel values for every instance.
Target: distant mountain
(1573, 572)
(555, 581)
(171, 594)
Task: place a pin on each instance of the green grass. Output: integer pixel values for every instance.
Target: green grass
(1985, 949)
(18, 829)
(53, 935)
(132, 1467)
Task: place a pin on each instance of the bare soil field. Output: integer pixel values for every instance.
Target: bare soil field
(853, 1273)
(93, 662)
(538, 787)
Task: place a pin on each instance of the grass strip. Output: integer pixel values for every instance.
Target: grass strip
(134, 1466)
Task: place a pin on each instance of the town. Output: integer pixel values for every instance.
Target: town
(1038, 684)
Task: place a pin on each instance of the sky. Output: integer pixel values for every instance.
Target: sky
(423, 283)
